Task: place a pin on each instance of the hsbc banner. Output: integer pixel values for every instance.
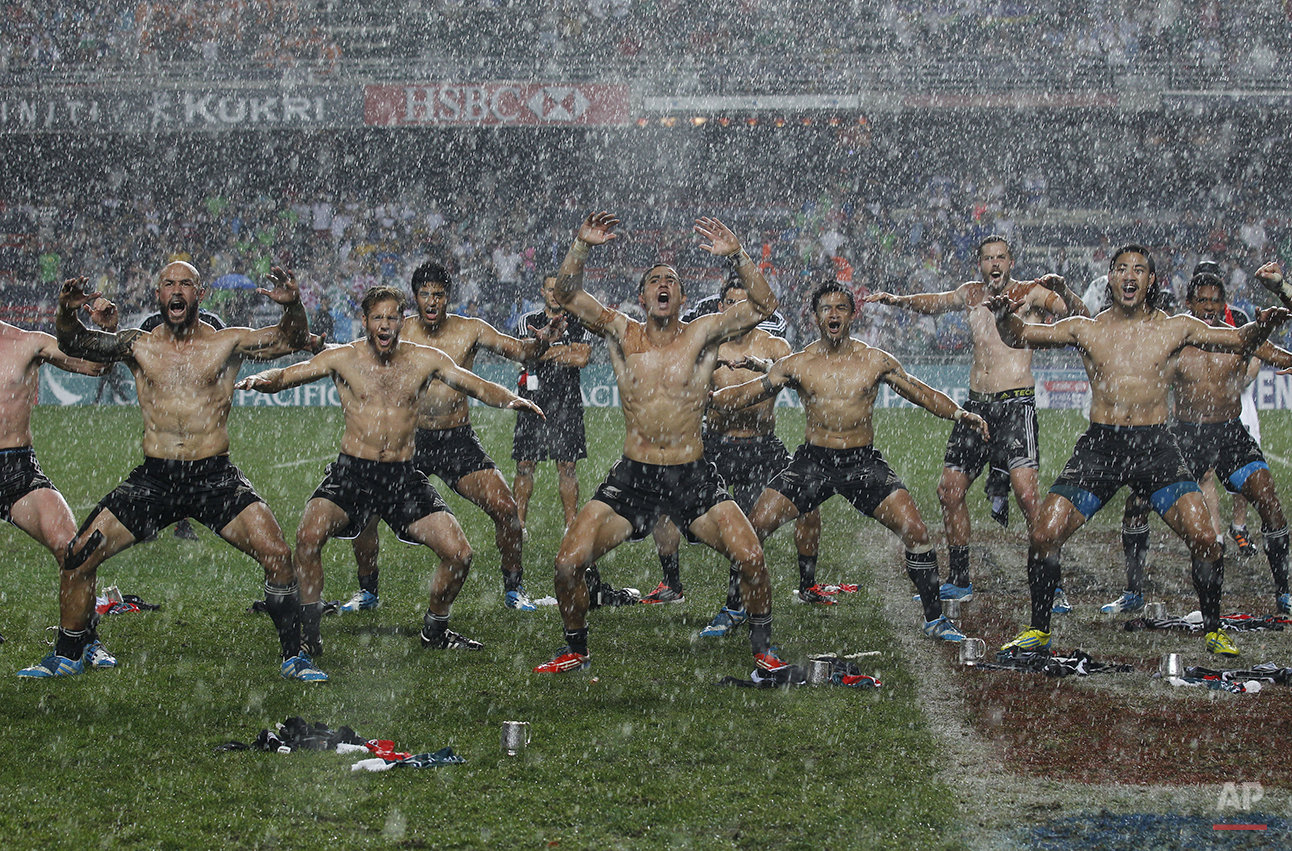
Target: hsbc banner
(495, 104)
(248, 109)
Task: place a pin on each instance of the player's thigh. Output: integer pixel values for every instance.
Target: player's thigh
(322, 520)
(255, 531)
(725, 528)
(597, 529)
(899, 513)
(1190, 518)
(443, 534)
(43, 514)
(772, 511)
(489, 490)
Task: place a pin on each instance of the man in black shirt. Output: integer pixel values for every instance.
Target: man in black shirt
(553, 383)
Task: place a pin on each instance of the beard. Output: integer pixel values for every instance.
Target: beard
(188, 321)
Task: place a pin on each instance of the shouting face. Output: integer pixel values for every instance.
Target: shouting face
(1130, 279)
(994, 264)
(432, 303)
(661, 292)
(383, 322)
(834, 315)
(179, 293)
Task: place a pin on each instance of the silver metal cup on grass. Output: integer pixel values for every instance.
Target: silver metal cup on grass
(515, 736)
(1155, 611)
(819, 671)
(1171, 666)
(972, 651)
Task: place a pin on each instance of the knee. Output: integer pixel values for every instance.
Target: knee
(950, 493)
(309, 542)
(464, 556)
(275, 552)
(570, 564)
(459, 561)
(1271, 512)
(504, 512)
(1046, 538)
(749, 557)
(1204, 547)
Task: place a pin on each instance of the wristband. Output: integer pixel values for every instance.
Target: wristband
(739, 259)
(580, 249)
(767, 384)
(959, 415)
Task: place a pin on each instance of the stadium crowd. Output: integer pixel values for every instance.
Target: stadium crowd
(40, 35)
(342, 243)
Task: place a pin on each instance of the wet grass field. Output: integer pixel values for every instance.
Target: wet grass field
(645, 750)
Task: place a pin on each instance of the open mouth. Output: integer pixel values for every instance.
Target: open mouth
(176, 308)
(662, 299)
(385, 338)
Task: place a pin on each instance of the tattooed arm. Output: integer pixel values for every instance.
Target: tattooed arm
(75, 340)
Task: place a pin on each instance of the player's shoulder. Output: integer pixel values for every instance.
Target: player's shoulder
(874, 354)
(15, 340)
(770, 345)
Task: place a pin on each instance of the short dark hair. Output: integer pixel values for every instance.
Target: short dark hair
(733, 282)
(832, 286)
(380, 293)
(1204, 279)
(641, 283)
(995, 237)
(431, 272)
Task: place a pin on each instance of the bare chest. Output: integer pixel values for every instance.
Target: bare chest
(1209, 369)
(184, 368)
(455, 341)
(645, 370)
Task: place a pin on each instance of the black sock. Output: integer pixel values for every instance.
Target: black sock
(592, 579)
(1043, 576)
(577, 640)
(958, 566)
(283, 603)
(434, 626)
(1276, 550)
(369, 582)
(1135, 550)
(672, 568)
(71, 645)
(923, 570)
(311, 615)
(807, 572)
(733, 590)
(512, 581)
(1208, 579)
(760, 632)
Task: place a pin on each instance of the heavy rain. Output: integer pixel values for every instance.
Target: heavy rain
(869, 158)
